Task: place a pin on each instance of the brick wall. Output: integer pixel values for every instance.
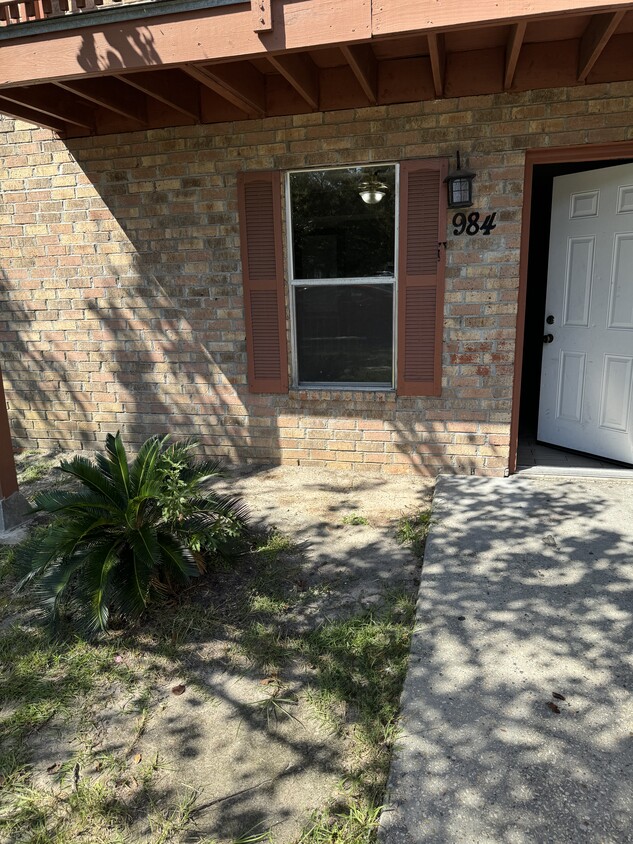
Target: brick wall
(120, 285)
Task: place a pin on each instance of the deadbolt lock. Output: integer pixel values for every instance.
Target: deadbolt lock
(550, 320)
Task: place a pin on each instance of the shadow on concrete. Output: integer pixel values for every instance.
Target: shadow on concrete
(517, 706)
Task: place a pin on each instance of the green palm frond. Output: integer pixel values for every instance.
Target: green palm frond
(177, 559)
(84, 501)
(143, 467)
(117, 458)
(130, 534)
(90, 475)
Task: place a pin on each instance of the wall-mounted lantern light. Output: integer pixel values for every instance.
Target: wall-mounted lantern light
(372, 190)
(459, 184)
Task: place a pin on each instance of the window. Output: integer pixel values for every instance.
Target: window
(342, 275)
(345, 256)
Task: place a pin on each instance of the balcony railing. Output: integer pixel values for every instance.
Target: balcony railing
(25, 11)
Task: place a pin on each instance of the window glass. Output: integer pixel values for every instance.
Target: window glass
(343, 230)
(345, 333)
(335, 234)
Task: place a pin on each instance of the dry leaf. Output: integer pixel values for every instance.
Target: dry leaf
(179, 689)
(138, 758)
(558, 696)
(52, 769)
(553, 707)
(98, 766)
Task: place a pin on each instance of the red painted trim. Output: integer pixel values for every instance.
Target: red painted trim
(557, 155)
(8, 477)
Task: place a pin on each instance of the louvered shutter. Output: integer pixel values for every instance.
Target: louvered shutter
(259, 202)
(421, 277)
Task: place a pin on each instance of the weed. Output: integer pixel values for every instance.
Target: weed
(413, 530)
(166, 825)
(355, 519)
(6, 560)
(354, 824)
(277, 705)
(275, 543)
(32, 467)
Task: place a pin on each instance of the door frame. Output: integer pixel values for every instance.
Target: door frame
(534, 157)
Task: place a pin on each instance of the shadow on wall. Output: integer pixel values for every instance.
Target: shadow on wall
(144, 331)
(526, 591)
(116, 352)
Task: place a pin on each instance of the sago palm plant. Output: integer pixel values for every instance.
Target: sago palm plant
(132, 533)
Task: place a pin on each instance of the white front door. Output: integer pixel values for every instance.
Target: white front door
(586, 399)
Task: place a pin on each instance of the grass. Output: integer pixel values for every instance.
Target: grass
(355, 519)
(413, 529)
(351, 669)
(32, 467)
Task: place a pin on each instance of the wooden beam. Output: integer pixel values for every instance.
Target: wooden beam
(51, 101)
(262, 15)
(219, 33)
(437, 54)
(239, 83)
(361, 59)
(398, 17)
(169, 87)
(301, 72)
(8, 477)
(110, 94)
(31, 116)
(595, 38)
(513, 50)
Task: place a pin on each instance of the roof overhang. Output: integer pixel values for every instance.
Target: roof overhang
(175, 62)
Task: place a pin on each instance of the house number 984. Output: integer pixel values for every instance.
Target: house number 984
(471, 225)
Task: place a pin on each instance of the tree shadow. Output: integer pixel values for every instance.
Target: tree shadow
(147, 287)
(526, 592)
(137, 45)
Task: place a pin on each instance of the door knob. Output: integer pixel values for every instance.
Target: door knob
(548, 338)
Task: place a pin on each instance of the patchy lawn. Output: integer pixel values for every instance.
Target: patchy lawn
(259, 706)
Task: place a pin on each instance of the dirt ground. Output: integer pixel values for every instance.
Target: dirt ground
(245, 747)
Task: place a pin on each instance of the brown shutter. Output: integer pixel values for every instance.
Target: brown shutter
(259, 203)
(421, 277)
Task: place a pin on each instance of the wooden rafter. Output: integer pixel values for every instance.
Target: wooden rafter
(167, 87)
(301, 72)
(239, 83)
(513, 50)
(31, 116)
(361, 59)
(52, 102)
(437, 54)
(595, 38)
(110, 94)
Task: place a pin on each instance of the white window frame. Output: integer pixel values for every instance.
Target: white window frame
(322, 282)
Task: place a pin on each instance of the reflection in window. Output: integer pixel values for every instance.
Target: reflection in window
(343, 330)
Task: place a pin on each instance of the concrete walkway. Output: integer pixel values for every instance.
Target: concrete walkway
(518, 715)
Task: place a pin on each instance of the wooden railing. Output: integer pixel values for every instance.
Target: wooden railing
(24, 11)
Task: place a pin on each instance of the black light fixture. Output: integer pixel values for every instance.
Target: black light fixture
(372, 190)
(459, 184)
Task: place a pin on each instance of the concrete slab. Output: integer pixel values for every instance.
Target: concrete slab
(517, 708)
(13, 510)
